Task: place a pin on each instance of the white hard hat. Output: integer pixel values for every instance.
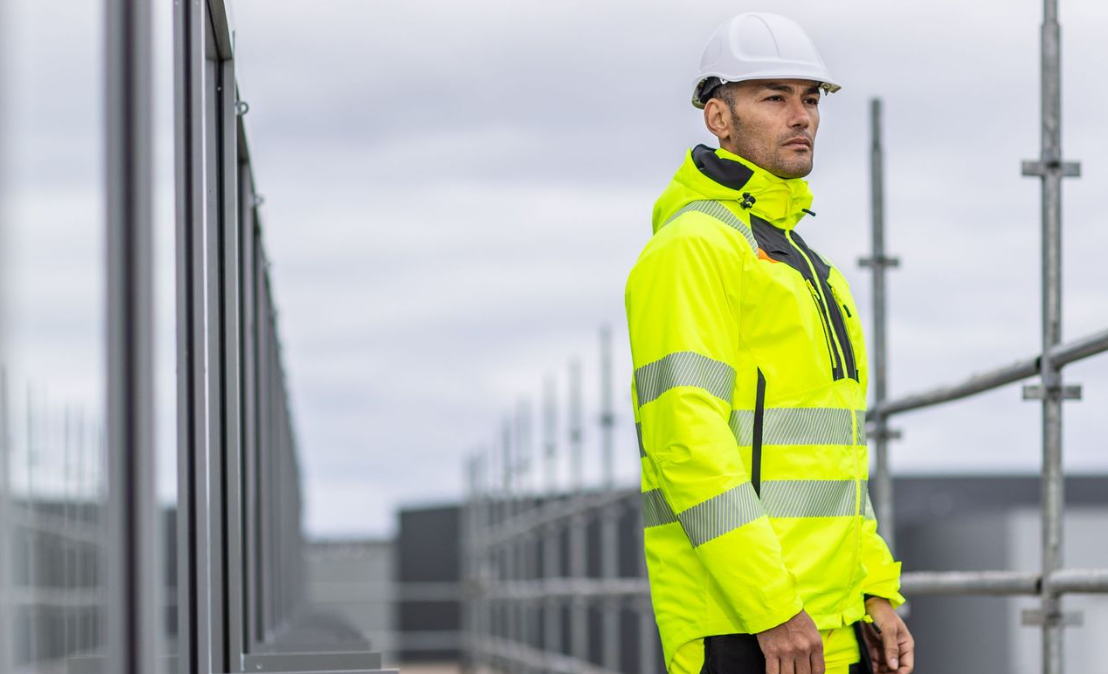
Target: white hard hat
(760, 46)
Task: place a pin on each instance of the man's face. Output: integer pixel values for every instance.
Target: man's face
(772, 123)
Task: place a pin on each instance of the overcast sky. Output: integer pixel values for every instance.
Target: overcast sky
(455, 192)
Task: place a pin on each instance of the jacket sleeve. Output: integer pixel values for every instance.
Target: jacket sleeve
(681, 305)
(882, 572)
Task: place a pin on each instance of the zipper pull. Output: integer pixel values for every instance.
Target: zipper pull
(841, 303)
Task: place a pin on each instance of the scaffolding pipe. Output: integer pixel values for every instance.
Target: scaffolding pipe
(1053, 487)
(1063, 354)
(579, 634)
(609, 517)
(1078, 580)
(552, 549)
(7, 659)
(878, 262)
(970, 582)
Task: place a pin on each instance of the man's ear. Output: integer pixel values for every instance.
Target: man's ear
(717, 118)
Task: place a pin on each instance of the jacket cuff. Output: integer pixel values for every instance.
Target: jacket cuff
(885, 584)
(782, 604)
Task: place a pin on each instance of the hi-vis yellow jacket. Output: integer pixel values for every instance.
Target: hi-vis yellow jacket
(750, 395)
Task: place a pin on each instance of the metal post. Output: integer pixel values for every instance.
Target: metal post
(607, 416)
(879, 262)
(527, 544)
(648, 634)
(609, 516)
(7, 663)
(132, 615)
(511, 566)
(552, 618)
(469, 545)
(1051, 169)
(579, 626)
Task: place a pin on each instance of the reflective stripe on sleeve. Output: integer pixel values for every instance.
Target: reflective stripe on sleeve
(716, 210)
(861, 416)
(809, 498)
(868, 512)
(795, 426)
(655, 509)
(721, 514)
(684, 368)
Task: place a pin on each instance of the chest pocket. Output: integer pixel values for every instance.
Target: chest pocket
(791, 250)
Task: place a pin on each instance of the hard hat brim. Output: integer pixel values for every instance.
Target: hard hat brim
(822, 82)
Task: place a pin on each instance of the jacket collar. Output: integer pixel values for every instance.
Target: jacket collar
(725, 176)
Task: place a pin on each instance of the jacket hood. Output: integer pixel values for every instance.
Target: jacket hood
(720, 175)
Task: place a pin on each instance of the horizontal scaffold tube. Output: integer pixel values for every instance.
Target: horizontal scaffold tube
(1063, 354)
(969, 582)
(1078, 580)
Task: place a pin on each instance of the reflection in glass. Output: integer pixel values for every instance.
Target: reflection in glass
(52, 461)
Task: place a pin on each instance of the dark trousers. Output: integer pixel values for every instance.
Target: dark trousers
(741, 654)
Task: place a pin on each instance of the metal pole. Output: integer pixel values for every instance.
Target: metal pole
(552, 619)
(132, 615)
(648, 635)
(607, 416)
(1052, 481)
(7, 662)
(878, 262)
(468, 556)
(511, 567)
(609, 516)
(1051, 169)
(579, 626)
(528, 541)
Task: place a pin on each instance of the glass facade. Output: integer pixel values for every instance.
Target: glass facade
(53, 479)
(150, 491)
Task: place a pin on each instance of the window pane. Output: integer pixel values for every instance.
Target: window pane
(52, 479)
(165, 325)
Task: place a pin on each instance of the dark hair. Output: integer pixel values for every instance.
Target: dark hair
(715, 88)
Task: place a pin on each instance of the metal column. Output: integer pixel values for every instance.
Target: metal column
(579, 617)
(609, 518)
(552, 549)
(7, 661)
(878, 262)
(133, 619)
(1050, 169)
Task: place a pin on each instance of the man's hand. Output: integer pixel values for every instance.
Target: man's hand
(793, 647)
(892, 649)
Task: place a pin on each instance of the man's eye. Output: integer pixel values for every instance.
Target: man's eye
(775, 98)
(813, 101)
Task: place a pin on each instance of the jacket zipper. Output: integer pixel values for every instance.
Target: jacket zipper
(849, 344)
(826, 329)
(839, 346)
(837, 299)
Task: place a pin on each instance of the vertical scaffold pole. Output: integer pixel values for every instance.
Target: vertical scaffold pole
(470, 545)
(1050, 169)
(7, 660)
(524, 541)
(552, 551)
(609, 517)
(511, 605)
(579, 625)
(879, 262)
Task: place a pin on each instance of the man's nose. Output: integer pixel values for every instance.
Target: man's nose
(799, 117)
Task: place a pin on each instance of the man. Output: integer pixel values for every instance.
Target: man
(750, 392)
